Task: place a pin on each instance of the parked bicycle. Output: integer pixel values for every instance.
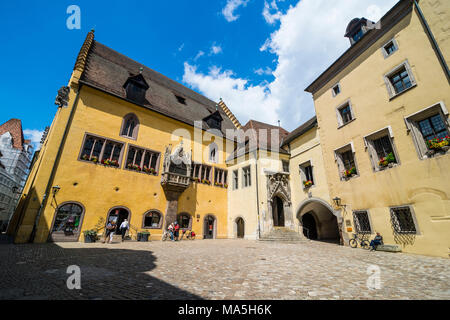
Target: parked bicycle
(189, 235)
(166, 235)
(362, 243)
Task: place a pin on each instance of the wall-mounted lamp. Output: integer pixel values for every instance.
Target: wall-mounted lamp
(55, 190)
(15, 190)
(337, 202)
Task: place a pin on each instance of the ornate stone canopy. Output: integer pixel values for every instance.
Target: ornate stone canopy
(278, 185)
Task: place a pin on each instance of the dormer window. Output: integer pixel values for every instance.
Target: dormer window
(135, 88)
(181, 99)
(214, 121)
(356, 29)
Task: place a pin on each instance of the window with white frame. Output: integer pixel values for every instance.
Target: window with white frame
(362, 222)
(336, 90)
(344, 114)
(381, 149)
(389, 48)
(430, 130)
(403, 221)
(220, 178)
(399, 79)
(345, 159)
(246, 177)
(306, 174)
(235, 179)
(101, 150)
(201, 173)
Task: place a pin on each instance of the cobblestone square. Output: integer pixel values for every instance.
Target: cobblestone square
(217, 269)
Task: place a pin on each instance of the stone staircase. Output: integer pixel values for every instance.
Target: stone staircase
(282, 234)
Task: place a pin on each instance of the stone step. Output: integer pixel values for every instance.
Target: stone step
(282, 234)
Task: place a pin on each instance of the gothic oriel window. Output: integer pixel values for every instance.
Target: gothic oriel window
(130, 126)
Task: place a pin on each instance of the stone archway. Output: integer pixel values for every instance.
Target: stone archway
(319, 221)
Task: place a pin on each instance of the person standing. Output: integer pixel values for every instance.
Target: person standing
(176, 229)
(110, 230)
(170, 228)
(125, 225)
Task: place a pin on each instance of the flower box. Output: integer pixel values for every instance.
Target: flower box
(387, 161)
(347, 174)
(218, 184)
(149, 170)
(439, 143)
(134, 167)
(93, 159)
(206, 181)
(111, 163)
(307, 184)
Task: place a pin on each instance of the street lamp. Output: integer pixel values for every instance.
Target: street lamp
(55, 190)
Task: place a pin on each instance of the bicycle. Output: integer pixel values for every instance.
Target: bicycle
(362, 243)
(166, 235)
(190, 235)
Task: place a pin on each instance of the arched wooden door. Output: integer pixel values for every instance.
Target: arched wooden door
(240, 224)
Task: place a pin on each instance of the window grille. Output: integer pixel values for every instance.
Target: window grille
(362, 223)
(402, 220)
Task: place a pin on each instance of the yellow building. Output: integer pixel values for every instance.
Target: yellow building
(315, 217)
(379, 106)
(126, 142)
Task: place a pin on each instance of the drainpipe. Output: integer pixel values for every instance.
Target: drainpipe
(433, 40)
(257, 195)
(52, 174)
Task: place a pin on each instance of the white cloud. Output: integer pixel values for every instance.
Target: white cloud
(267, 12)
(216, 49)
(199, 55)
(33, 135)
(308, 40)
(266, 71)
(231, 6)
(181, 47)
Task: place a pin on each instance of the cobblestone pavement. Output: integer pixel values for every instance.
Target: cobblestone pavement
(217, 269)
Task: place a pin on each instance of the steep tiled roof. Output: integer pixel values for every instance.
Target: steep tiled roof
(257, 127)
(108, 71)
(311, 123)
(14, 127)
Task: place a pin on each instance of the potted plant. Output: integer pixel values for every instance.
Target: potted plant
(389, 160)
(143, 236)
(94, 159)
(90, 236)
(134, 167)
(205, 181)
(438, 144)
(225, 185)
(149, 170)
(349, 173)
(111, 163)
(307, 183)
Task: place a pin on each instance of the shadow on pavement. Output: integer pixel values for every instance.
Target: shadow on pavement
(39, 271)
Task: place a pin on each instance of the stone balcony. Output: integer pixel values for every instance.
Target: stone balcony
(174, 183)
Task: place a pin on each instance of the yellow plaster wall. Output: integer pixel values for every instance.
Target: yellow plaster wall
(94, 185)
(424, 184)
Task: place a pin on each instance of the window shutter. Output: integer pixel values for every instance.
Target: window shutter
(302, 173)
(339, 118)
(372, 154)
(420, 143)
(340, 164)
(411, 76)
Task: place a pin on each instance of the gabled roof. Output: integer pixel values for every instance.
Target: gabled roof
(308, 125)
(14, 127)
(108, 70)
(260, 145)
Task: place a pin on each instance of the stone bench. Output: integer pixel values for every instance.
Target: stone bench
(389, 248)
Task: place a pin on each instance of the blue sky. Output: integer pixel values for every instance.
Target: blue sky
(257, 55)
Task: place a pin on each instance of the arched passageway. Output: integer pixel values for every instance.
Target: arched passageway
(209, 228)
(278, 212)
(319, 222)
